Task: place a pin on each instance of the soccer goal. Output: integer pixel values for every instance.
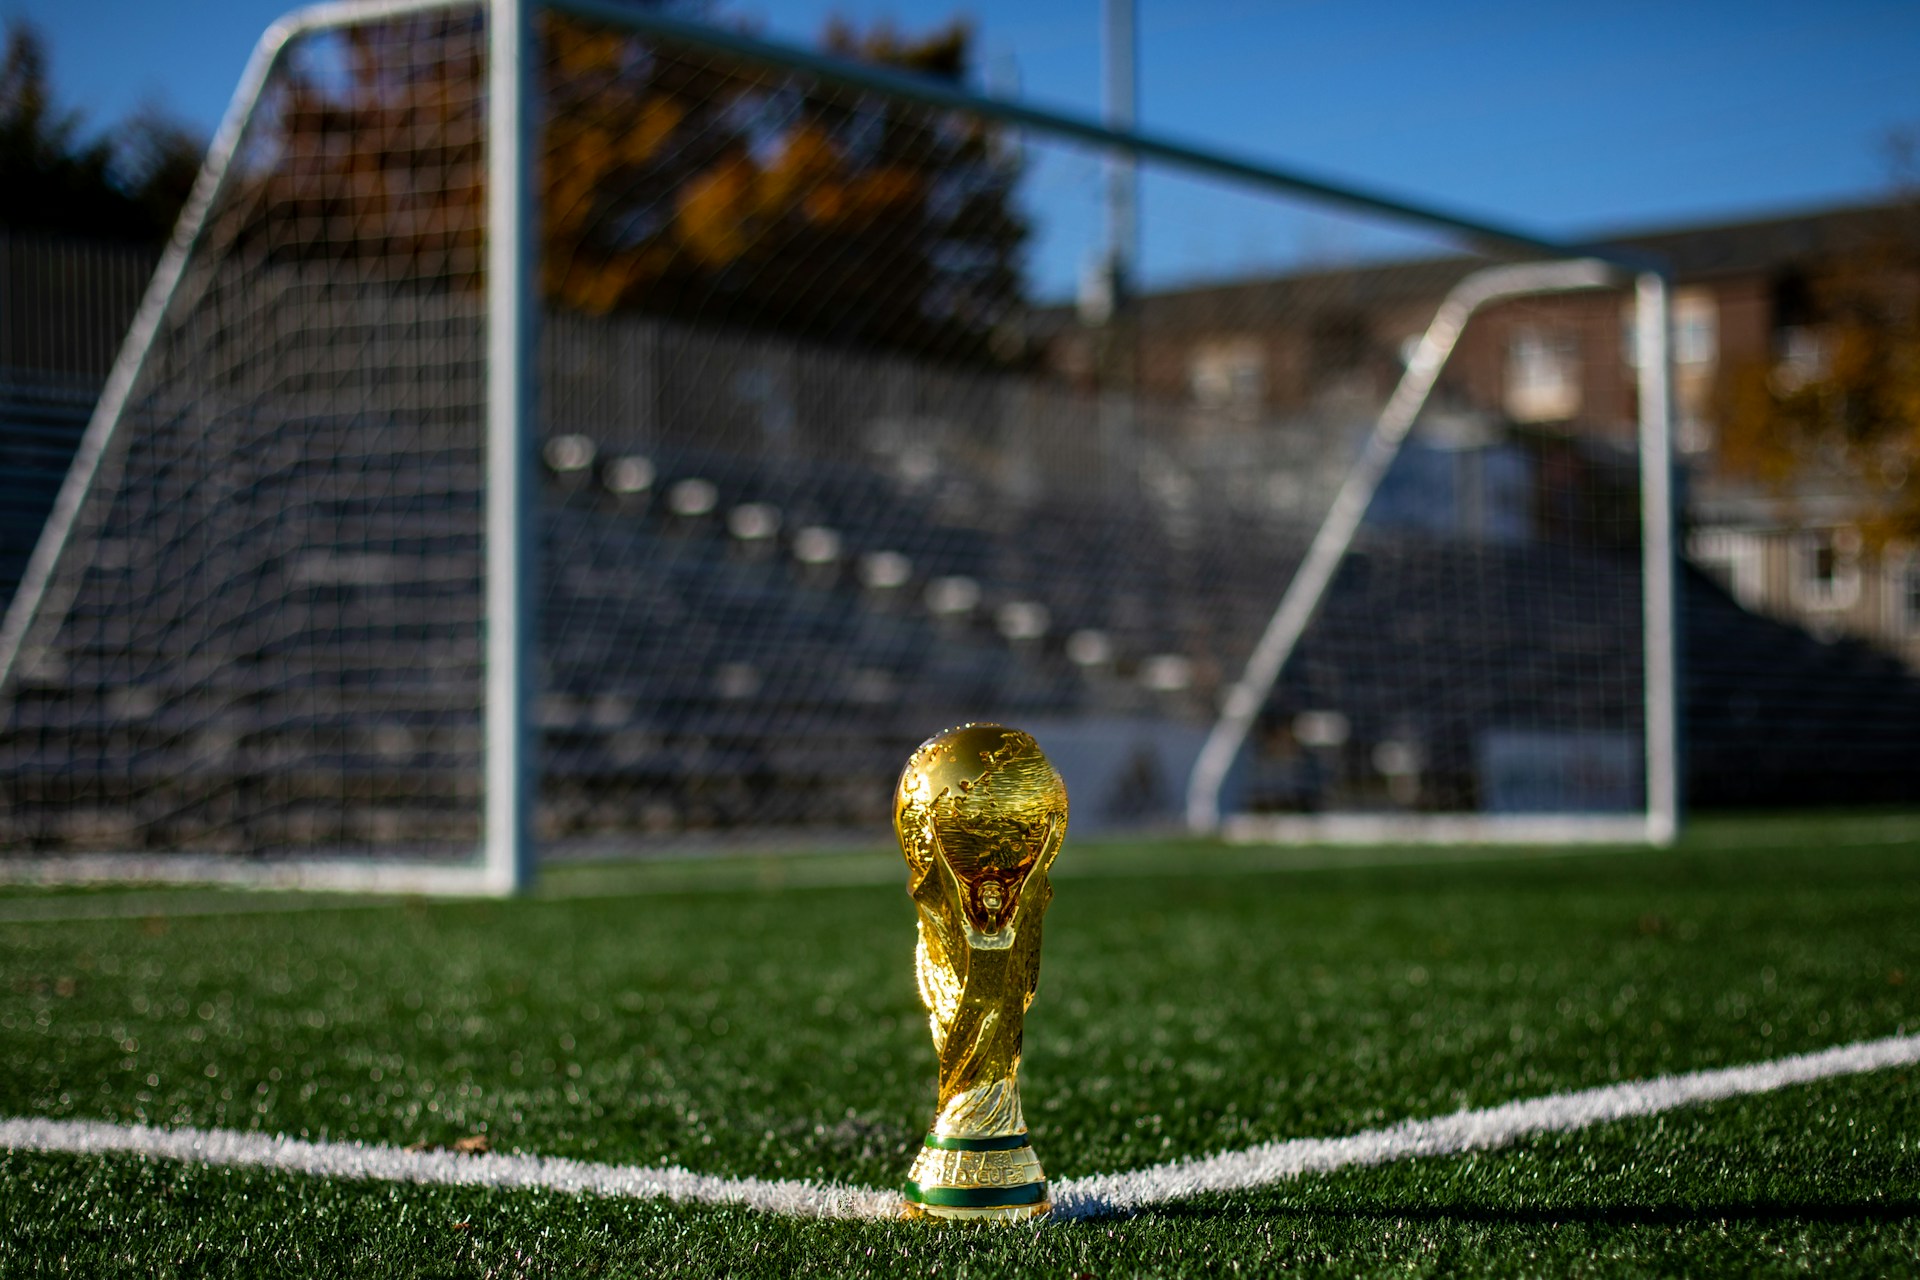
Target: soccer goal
(564, 427)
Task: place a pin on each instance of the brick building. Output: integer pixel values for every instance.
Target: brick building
(1250, 355)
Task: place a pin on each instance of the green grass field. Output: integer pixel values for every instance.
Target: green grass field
(757, 1016)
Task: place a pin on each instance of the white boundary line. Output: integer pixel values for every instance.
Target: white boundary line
(772, 873)
(319, 875)
(1104, 1194)
(1435, 828)
(1481, 1130)
(367, 1162)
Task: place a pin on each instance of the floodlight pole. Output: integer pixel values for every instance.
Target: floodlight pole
(512, 531)
(1123, 177)
(1659, 611)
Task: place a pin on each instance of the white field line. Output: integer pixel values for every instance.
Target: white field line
(367, 1162)
(772, 872)
(1481, 1130)
(178, 905)
(1104, 1194)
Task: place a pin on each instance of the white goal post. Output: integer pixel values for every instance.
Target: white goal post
(1246, 696)
(566, 424)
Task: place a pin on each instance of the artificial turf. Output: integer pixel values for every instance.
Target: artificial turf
(758, 1017)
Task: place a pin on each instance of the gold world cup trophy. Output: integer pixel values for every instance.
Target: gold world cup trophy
(980, 812)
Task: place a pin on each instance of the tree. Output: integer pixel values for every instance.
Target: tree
(125, 185)
(157, 160)
(672, 182)
(1837, 407)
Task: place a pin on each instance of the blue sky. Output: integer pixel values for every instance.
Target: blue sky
(1565, 118)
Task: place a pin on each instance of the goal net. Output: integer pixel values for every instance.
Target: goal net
(569, 429)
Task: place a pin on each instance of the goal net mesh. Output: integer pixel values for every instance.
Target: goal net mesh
(845, 435)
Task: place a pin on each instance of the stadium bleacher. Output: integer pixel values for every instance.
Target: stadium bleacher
(749, 616)
(42, 417)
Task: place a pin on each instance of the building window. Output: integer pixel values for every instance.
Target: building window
(1799, 350)
(1229, 375)
(1696, 352)
(1694, 346)
(1543, 376)
(1693, 433)
(1906, 596)
(1800, 358)
(1827, 569)
(1696, 330)
(1733, 559)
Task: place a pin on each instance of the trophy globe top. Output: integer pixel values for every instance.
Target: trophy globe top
(985, 800)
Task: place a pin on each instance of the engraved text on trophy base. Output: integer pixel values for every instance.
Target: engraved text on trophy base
(968, 1169)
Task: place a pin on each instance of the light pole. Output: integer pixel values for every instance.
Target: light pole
(1123, 178)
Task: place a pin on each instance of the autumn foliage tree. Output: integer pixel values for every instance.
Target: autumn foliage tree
(125, 184)
(671, 182)
(1837, 408)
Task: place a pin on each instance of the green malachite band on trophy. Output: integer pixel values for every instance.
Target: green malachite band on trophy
(976, 1197)
(1010, 1142)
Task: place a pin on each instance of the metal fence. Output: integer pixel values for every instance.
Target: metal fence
(65, 304)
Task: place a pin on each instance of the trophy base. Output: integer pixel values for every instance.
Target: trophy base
(949, 1213)
(976, 1179)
